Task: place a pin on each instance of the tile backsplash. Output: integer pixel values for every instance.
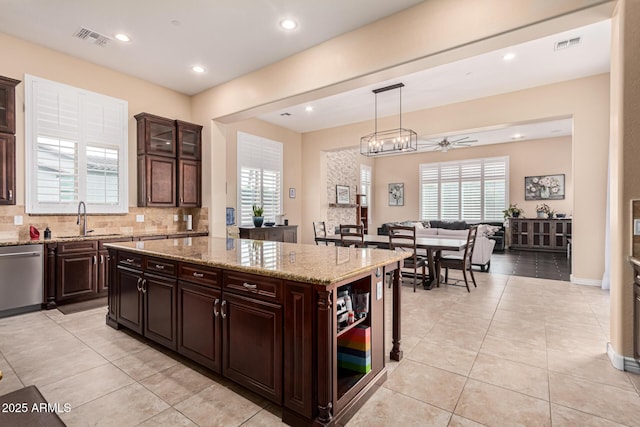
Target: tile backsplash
(160, 220)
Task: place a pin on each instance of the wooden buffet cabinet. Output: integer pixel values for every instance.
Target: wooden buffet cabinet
(254, 313)
(277, 233)
(540, 234)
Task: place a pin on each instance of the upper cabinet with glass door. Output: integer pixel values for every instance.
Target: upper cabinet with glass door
(7, 105)
(189, 140)
(156, 135)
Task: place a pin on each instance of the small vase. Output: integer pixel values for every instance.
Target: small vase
(515, 214)
(257, 221)
(541, 215)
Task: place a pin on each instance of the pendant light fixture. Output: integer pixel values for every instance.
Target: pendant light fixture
(393, 141)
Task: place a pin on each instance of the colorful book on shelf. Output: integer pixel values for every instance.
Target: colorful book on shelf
(354, 349)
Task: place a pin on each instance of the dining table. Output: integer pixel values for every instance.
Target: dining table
(432, 246)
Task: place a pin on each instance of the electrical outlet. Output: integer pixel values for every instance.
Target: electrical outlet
(176, 218)
(139, 218)
(17, 220)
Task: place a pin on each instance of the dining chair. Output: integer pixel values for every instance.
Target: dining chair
(403, 238)
(320, 230)
(461, 262)
(352, 235)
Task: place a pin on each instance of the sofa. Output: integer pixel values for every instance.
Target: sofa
(486, 240)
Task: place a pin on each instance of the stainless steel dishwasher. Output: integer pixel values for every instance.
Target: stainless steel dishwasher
(21, 279)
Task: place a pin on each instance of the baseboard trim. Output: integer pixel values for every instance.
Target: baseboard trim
(622, 363)
(586, 282)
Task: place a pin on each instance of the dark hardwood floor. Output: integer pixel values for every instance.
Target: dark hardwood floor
(544, 265)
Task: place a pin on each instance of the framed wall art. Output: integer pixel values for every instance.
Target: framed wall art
(396, 194)
(342, 195)
(544, 187)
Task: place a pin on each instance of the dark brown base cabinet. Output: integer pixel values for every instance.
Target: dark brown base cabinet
(147, 304)
(76, 271)
(275, 337)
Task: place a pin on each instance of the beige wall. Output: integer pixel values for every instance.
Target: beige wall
(586, 100)
(625, 176)
(28, 58)
(526, 158)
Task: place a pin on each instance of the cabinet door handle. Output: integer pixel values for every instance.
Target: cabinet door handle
(223, 309)
(101, 259)
(199, 275)
(160, 267)
(130, 260)
(144, 286)
(638, 278)
(10, 194)
(138, 284)
(215, 307)
(95, 260)
(148, 199)
(249, 286)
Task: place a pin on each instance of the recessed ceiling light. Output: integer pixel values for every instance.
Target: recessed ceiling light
(509, 56)
(123, 37)
(517, 136)
(288, 24)
(198, 69)
(308, 108)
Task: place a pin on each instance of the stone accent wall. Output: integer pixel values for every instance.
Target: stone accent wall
(158, 220)
(342, 169)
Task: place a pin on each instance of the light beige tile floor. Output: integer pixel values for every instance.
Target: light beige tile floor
(514, 351)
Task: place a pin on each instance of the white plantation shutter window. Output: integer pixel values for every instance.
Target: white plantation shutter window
(470, 190)
(76, 147)
(259, 177)
(365, 184)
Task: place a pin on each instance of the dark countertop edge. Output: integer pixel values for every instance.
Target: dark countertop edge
(98, 237)
(260, 271)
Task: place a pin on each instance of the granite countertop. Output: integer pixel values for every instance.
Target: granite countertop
(322, 265)
(91, 236)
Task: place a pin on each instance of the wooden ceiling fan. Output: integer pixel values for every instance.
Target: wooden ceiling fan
(445, 144)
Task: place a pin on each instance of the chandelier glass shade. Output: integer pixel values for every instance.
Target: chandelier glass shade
(393, 141)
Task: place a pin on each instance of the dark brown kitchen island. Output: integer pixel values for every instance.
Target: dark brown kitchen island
(271, 316)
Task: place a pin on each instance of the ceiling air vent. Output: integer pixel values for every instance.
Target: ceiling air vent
(565, 44)
(91, 36)
(285, 114)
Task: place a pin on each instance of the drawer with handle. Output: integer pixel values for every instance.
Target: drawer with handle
(198, 274)
(162, 266)
(129, 259)
(265, 288)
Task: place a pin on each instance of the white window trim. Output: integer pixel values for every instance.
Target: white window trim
(31, 204)
(459, 162)
(242, 136)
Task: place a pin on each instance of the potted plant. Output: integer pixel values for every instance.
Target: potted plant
(513, 211)
(544, 211)
(257, 215)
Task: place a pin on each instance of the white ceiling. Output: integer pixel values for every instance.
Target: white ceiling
(233, 37)
(228, 37)
(536, 63)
